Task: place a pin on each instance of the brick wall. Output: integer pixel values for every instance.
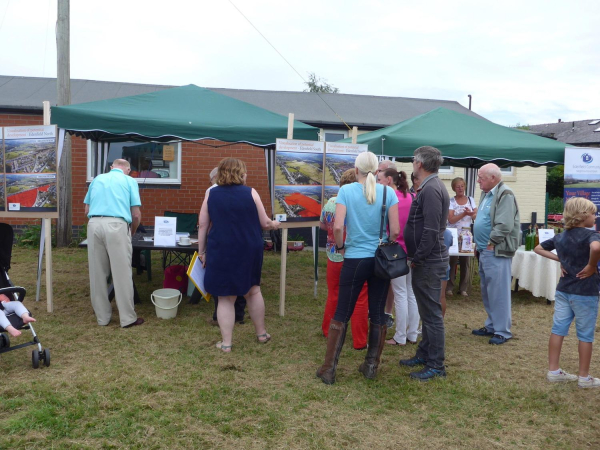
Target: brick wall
(196, 163)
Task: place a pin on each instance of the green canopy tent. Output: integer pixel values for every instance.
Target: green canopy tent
(188, 113)
(465, 141)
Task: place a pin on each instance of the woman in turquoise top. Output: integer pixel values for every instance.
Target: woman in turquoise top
(358, 207)
(359, 322)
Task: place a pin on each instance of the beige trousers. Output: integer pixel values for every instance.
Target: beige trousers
(109, 251)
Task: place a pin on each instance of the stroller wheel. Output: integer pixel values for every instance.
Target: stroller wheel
(35, 359)
(4, 340)
(46, 357)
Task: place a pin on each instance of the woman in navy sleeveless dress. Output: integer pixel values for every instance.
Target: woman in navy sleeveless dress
(230, 245)
(235, 245)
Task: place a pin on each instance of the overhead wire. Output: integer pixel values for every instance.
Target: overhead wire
(5, 14)
(288, 63)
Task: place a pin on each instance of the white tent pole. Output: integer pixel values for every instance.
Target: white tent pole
(40, 262)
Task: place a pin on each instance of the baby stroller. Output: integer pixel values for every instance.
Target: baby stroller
(18, 294)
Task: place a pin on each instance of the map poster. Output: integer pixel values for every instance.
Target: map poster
(298, 180)
(582, 175)
(29, 167)
(339, 157)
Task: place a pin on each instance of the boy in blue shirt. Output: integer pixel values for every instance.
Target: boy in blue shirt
(578, 251)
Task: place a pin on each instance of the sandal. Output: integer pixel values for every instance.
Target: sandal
(224, 348)
(393, 341)
(263, 338)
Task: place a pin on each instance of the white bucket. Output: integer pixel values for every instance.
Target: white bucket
(167, 301)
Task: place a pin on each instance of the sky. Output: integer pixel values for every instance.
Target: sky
(523, 62)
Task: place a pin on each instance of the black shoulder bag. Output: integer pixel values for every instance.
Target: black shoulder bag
(390, 259)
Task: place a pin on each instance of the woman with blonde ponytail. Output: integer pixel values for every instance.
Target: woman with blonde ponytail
(358, 208)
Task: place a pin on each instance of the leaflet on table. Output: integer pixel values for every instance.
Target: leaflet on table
(453, 250)
(196, 275)
(545, 235)
(164, 231)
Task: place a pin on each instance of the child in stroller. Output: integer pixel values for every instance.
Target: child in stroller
(13, 307)
(13, 315)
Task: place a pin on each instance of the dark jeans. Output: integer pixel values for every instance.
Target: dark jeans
(355, 272)
(427, 286)
(239, 305)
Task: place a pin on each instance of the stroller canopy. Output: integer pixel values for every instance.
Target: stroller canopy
(6, 243)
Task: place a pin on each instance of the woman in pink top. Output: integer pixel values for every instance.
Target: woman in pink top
(407, 314)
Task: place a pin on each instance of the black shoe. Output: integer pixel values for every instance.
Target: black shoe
(240, 322)
(139, 321)
(497, 340)
(427, 373)
(389, 320)
(412, 362)
(483, 331)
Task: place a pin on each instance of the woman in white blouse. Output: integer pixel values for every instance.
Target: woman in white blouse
(461, 215)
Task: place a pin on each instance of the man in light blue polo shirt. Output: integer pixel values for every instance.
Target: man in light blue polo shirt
(496, 230)
(112, 205)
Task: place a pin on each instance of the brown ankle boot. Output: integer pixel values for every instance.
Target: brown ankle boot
(335, 342)
(376, 342)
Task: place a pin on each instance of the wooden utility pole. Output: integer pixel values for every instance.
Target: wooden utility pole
(63, 84)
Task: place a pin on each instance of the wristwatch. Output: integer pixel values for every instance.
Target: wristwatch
(337, 249)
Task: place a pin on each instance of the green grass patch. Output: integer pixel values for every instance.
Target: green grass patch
(165, 385)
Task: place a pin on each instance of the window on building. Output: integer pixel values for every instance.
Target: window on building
(507, 171)
(335, 135)
(446, 169)
(151, 162)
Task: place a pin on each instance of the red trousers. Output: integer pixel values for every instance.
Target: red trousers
(359, 322)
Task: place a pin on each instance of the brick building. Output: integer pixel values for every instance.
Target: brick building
(183, 190)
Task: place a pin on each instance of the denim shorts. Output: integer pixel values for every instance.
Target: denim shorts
(582, 308)
(447, 274)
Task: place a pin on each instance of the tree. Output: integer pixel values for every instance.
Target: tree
(555, 177)
(316, 84)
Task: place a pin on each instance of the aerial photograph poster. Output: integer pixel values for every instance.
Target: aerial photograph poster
(339, 157)
(31, 192)
(298, 180)
(30, 149)
(298, 203)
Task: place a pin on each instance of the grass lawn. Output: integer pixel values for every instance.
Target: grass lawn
(165, 385)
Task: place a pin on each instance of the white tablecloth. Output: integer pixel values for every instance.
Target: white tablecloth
(535, 273)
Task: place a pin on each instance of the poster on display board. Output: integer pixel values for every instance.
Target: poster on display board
(298, 180)
(339, 157)
(29, 170)
(582, 175)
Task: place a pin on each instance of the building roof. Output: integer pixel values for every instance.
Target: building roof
(578, 132)
(365, 111)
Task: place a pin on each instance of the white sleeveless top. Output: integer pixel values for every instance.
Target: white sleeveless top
(466, 221)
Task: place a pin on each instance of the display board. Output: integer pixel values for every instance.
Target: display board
(582, 174)
(307, 174)
(29, 182)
